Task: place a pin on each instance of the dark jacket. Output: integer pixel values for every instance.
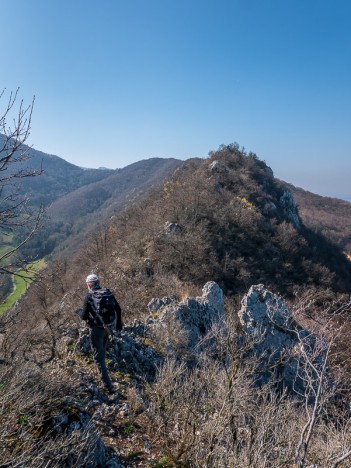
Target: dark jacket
(89, 316)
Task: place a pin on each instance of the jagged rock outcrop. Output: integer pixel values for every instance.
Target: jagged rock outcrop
(289, 206)
(181, 330)
(284, 354)
(172, 228)
(217, 167)
(285, 350)
(180, 327)
(174, 328)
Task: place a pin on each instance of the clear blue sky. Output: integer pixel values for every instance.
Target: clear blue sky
(118, 81)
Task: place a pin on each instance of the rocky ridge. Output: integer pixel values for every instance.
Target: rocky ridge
(179, 330)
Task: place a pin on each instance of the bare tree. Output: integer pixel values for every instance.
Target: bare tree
(15, 211)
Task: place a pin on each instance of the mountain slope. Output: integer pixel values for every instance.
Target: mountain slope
(226, 219)
(115, 191)
(59, 176)
(328, 216)
(73, 216)
(77, 199)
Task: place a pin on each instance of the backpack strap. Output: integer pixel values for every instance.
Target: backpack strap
(98, 316)
(96, 312)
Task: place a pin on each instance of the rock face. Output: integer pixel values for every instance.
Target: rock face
(174, 328)
(130, 352)
(289, 206)
(217, 166)
(280, 344)
(181, 327)
(172, 228)
(181, 330)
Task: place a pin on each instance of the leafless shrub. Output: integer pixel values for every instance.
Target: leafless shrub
(216, 415)
(41, 424)
(15, 212)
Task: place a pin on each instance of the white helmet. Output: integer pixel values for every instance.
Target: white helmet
(92, 278)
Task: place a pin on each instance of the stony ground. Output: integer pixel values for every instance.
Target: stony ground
(121, 419)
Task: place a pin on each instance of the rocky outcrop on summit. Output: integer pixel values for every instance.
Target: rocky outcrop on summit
(286, 351)
(217, 167)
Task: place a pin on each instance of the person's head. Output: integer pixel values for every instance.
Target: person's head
(92, 281)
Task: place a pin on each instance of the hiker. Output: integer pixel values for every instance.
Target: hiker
(103, 314)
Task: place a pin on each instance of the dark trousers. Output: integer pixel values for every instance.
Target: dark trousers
(99, 337)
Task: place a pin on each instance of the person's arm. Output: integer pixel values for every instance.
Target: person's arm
(119, 325)
(86, 308)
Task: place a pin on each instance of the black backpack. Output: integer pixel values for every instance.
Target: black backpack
(104, 303)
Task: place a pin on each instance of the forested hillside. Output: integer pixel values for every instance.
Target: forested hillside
(228, 219)
(77, 199)
(224, 221)
(58, 176)
(330, 217)
(31, 181)
(71, 217)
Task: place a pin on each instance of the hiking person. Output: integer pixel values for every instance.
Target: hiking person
(102, 313)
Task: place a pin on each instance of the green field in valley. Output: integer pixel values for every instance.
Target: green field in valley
(21, 284)
(5, 243)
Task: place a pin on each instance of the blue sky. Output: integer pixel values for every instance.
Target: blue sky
(118, 81)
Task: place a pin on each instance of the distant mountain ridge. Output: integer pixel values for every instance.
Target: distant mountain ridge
(73, 216)
(116, 190)
(59, 176)
(77, 199)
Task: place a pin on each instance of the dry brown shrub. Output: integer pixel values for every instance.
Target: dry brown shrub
(32, 404)
(215, 414)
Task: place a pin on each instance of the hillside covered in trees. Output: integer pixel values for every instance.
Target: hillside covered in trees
(228, 219)
(71, 217)
(72, 200)
(58, 177)
(330, 217)
(225, 222)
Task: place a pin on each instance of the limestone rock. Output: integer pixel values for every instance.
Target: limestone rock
(289, 206)
(172, 228)
(279, 343)
(217, 166)
(180, 327)
(269, 207)
(156, 304)
(83, 345)
(212, 296)
(130, 351)
(74, 420)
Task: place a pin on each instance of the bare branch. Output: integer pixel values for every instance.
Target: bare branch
(15, 213)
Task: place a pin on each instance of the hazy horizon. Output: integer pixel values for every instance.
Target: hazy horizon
(341, 196)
